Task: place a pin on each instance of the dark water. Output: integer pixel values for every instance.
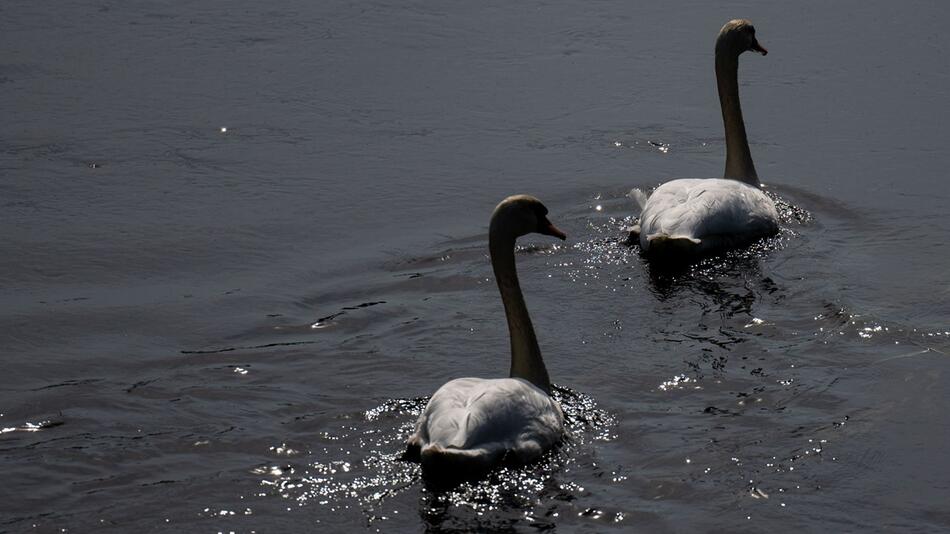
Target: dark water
(207, 330)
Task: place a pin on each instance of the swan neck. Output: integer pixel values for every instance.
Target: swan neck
(526, 362)
(739, 164)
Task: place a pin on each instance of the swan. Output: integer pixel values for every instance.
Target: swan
(472, 424)
(690, 217)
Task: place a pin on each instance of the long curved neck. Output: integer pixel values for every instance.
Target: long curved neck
(739, 164)
(526, 359)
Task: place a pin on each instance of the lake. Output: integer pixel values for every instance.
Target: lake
(244, 242)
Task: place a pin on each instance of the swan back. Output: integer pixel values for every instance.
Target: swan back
(709, 213)
(477, 422)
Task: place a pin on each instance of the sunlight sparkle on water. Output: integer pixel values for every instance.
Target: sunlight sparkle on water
(373, 472)
(675, 383)
(29, 427)
(283, 450)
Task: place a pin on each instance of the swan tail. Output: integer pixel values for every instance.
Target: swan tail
(639, 197)
(413, 451)
(633, 234)
(450, 464)
(669, 246)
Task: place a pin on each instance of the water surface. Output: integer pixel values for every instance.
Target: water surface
(242, 244)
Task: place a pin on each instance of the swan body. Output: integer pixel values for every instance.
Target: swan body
(703, 215)
(472, 424)
(690, 217)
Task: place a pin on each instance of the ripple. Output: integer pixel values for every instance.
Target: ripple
(789, 213)
(361, 467)
(677, 382)
(31, 427)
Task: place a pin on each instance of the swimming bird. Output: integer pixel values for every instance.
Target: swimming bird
(691, 217)
(473, 424)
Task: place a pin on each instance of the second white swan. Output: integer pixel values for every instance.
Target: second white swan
(691, 217)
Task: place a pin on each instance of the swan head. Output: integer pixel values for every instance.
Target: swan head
(738, 36)
(520, 215)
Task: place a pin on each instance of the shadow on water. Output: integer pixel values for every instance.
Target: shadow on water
(704, 276)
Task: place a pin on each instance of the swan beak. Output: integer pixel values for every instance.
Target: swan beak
(547, 228)
(756, 47)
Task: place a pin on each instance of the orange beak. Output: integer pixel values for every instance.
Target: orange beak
(547, 228)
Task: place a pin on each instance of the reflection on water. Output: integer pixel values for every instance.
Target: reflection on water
(30, 427)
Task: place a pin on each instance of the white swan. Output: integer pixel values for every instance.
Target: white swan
(689, 217)
(472, 424)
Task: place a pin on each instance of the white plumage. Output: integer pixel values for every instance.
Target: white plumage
(474, 423)
(708, 213)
